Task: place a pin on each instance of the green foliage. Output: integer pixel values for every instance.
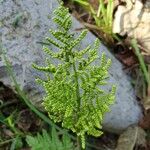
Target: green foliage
(49, 142)
(16, 143)
(73, 94)
(103, 16)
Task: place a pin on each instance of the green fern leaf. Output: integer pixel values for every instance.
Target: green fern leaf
(49, 142)
(74, 89)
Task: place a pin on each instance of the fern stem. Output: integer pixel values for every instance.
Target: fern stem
(77, 86)
(79, 143)
(78, 101)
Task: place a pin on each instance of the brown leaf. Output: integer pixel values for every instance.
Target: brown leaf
(145, 122)
(131, 137)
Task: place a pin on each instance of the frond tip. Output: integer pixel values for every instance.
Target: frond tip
(62, 18)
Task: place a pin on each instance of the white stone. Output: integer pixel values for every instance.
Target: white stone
(134, 19)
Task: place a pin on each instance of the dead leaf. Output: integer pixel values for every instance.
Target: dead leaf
(145, 122)
(131, 137)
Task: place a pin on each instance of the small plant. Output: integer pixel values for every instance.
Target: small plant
(73, 94)
(103, 15)
(49, 141)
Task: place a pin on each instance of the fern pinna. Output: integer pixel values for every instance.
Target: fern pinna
(73, 94)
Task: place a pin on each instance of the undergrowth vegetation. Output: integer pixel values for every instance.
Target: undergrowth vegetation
(102, 14)
(50, 141)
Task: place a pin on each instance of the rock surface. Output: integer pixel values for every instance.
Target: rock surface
(133, 19)
(22, 24)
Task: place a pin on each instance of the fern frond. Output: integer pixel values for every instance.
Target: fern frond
(74, 94)
(49, 141)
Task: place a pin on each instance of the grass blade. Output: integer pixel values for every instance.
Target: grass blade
(141, 61)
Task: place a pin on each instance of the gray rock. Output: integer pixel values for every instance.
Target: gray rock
(23, 24)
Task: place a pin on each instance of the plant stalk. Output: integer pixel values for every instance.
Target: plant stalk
(79, 145)
(77, 86)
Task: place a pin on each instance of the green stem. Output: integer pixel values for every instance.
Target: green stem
(77, 86)
(78, 101)
(79, 145)
(141, 61)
